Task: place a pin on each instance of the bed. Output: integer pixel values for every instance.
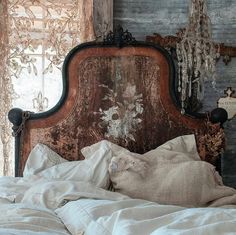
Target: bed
(115, 155)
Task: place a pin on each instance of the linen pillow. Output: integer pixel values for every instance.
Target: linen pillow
(116, 150)
(182, 148)
(175, 147)
(179, 149)
(41, 157)
(93, 169)
(193, 184)
(168, 176)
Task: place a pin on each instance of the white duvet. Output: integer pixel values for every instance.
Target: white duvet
(27, 219)
(139, 217)
(56, 206)
(27, 204)
(19, 218)
(62, 201)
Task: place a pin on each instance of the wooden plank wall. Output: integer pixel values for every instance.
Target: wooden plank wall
(145, 17)
(103, 14)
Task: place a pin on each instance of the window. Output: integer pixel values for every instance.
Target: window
(41, 33)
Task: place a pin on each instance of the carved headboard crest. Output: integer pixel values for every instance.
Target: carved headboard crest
(119, 37)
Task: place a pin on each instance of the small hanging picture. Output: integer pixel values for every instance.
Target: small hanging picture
(228, 103)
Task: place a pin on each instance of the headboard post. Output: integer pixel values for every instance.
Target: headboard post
(15, 116)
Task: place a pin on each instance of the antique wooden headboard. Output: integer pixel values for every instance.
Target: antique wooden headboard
(120, 90)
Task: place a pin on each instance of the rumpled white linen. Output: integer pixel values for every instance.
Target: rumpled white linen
(26, 219)
(55, 193)
(12, 189)
(17, 218)
(28, 204)
(40, 158)
(86, 209)
(140, 217)
(93, 170)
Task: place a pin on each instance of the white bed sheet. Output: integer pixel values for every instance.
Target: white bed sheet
(26, 219)
(54, 205)
(17, 218)
(139, 217)
(41, 206)
(27, 204)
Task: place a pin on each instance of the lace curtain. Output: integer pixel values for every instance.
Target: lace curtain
(35, 36)
(6, 94)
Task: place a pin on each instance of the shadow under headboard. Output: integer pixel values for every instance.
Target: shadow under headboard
(122, 92)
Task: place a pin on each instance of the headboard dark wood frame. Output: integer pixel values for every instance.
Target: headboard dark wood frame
(120, 90)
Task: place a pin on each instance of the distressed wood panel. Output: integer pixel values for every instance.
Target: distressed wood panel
(103, 17)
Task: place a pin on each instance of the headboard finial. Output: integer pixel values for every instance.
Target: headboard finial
(119, 37)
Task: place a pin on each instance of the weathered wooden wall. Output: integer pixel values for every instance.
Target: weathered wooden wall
(145, 17)
(103, 15)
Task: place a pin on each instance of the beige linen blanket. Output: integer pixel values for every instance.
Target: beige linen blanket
(171, 174)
